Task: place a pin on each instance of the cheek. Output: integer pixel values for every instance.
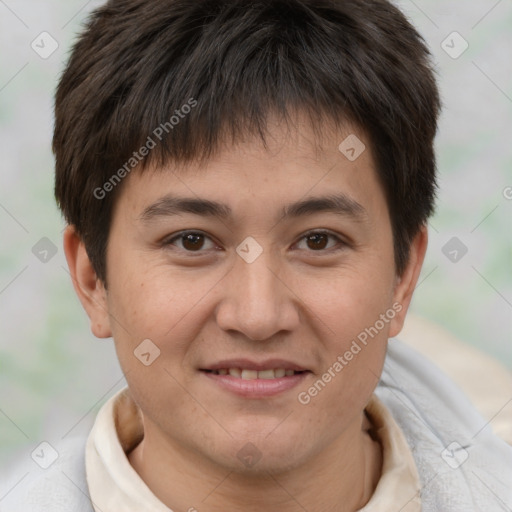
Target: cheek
(167, 307)
(347, 300)
(354, 354)
(155, 301)
(354, 310)
(361, 332)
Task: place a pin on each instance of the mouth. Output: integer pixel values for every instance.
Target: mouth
(247, 374)
(256, 380)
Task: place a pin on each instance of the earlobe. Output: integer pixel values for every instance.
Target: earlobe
(406, 283)
(89, 288)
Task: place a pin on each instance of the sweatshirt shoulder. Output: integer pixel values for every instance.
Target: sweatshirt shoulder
(51, 478)
(462, 464)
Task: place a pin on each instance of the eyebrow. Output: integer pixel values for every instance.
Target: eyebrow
(169, 205)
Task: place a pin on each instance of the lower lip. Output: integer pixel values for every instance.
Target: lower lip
(256, 388)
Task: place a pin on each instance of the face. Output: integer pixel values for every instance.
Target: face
(264, 285)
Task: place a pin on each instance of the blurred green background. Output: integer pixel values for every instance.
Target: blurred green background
(54, 374)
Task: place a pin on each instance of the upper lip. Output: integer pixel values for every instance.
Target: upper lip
(247, 364)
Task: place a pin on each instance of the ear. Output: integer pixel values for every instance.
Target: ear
(89, 288)
(406, 283)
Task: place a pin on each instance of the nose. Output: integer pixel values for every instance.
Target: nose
(257, 302)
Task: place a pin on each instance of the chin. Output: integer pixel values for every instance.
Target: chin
(261, 457)
(265, 466)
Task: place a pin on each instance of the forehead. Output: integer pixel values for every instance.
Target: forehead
(289, 164)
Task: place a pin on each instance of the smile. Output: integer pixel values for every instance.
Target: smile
(246, 374)
(255, 384)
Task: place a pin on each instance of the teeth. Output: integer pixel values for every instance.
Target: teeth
(249, 374)
(245, 374)
(265, 374)
(235, 372)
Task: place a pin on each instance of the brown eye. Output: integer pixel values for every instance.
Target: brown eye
(321, 241)
(317, 241)
(191, 241)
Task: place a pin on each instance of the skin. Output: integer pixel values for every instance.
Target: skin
(295, 302)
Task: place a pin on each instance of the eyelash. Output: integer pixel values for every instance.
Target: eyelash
(340, 243)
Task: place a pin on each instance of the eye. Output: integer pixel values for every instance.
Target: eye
(195, 241)
(191, 241)
(319, 241)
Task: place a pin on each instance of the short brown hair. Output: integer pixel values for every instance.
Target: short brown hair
(138, 63)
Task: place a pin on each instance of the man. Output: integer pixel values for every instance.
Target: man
(247, 186)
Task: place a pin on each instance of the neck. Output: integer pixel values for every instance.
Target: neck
(340, 479)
